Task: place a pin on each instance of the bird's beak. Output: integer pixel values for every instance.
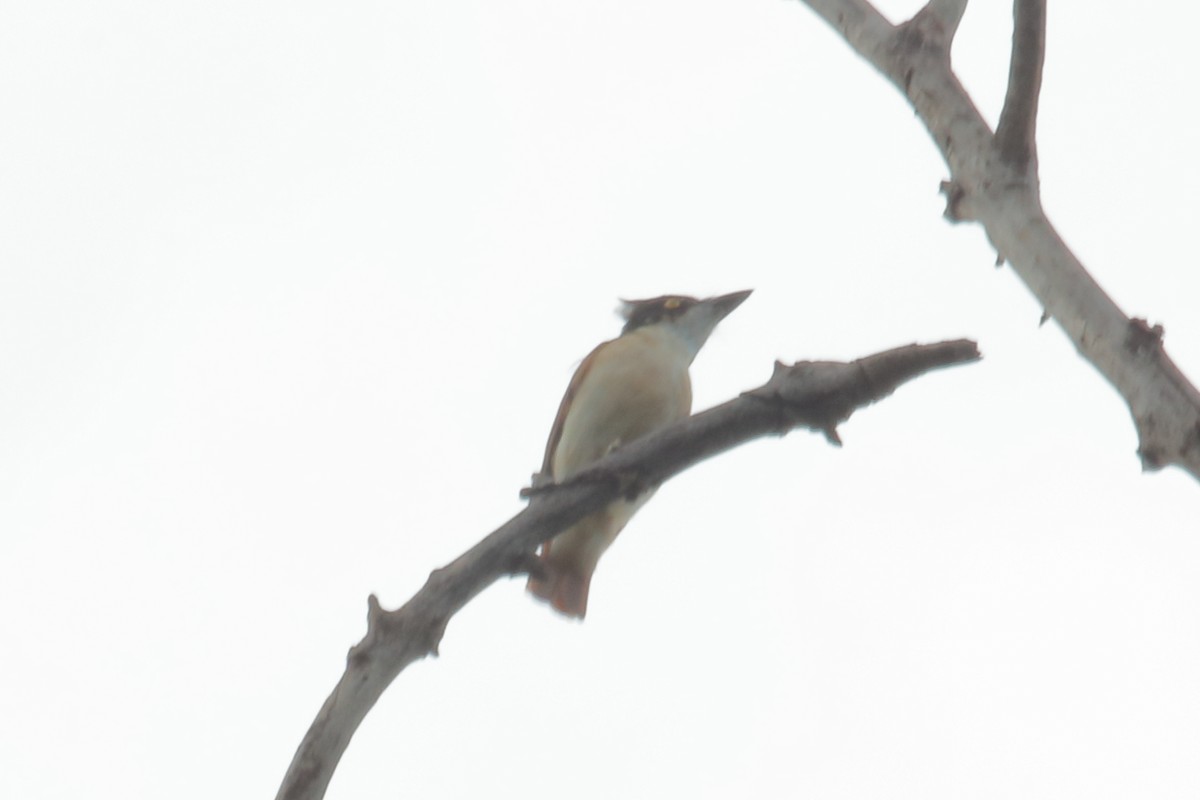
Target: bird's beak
(726, 303)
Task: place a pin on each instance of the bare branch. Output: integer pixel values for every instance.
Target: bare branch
(857, 20)
(947, 13)
(1016, 133)
(1001, 192)
(816, 395)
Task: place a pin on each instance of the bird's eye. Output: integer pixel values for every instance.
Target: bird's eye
(672, 303)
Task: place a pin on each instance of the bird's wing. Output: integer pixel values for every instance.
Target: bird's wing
(561, 417)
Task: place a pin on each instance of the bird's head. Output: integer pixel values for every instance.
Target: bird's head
(691, 319)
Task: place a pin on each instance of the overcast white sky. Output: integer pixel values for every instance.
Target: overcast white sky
(289, 293)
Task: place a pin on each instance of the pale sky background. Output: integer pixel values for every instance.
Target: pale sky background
(289, 293)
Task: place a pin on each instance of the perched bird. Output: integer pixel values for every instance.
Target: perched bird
(624, 389)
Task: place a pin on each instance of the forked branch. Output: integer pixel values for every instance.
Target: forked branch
(993, 180)
(815, 395)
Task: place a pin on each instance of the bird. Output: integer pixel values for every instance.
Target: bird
(625, 388)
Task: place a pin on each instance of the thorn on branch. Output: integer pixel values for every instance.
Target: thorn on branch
(955, 195)
(1152, 458)
(770, 394)
(360, 653)
(539, 482)
(1157, 449)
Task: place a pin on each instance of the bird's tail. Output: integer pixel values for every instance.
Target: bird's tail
(565, 588)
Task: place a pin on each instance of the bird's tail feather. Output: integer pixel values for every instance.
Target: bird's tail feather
(565, 589)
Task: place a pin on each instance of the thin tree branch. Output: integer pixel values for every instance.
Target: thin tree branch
(816, 395)
(1016, 133)
(1000, 191)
